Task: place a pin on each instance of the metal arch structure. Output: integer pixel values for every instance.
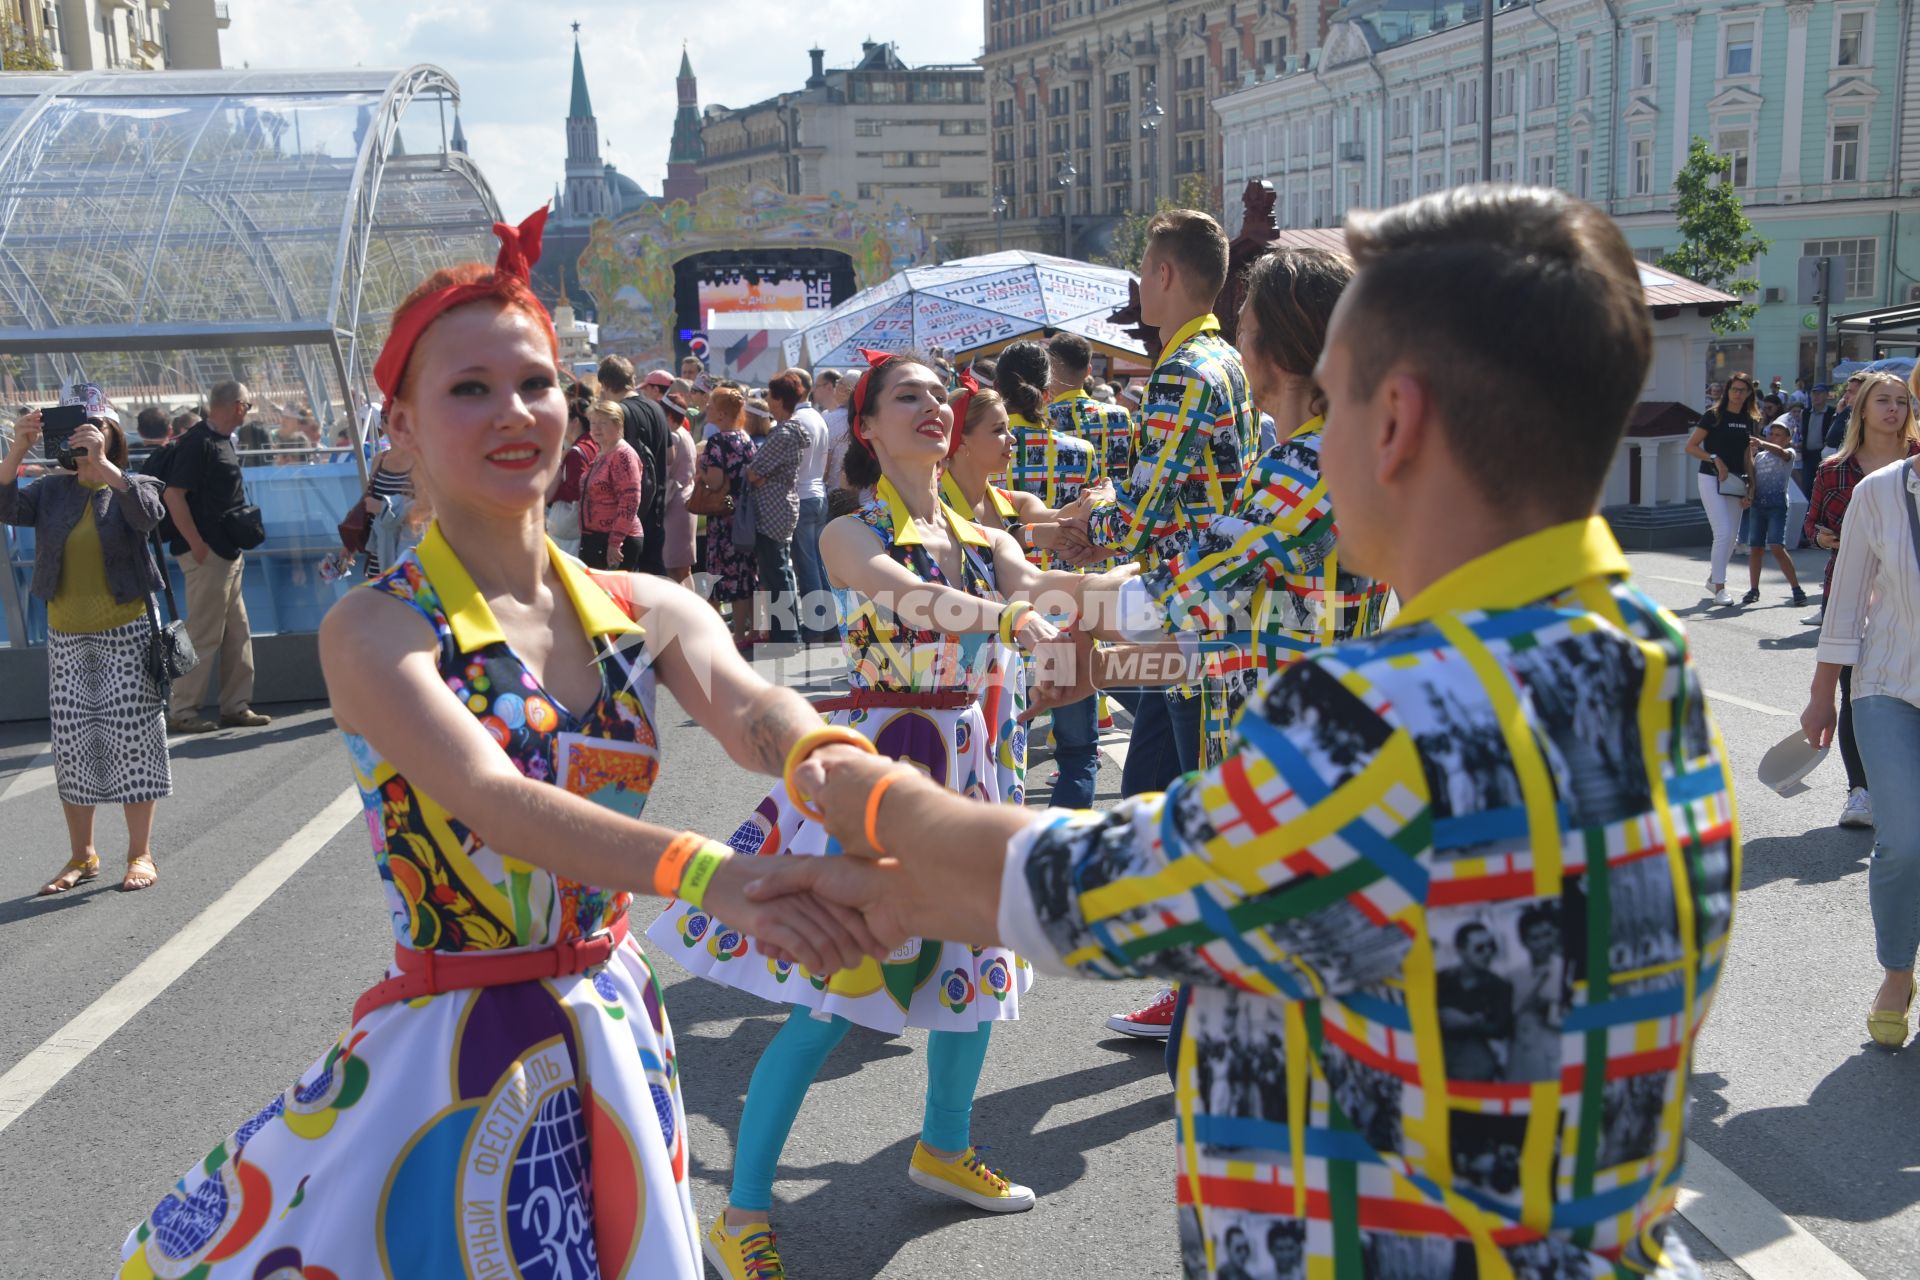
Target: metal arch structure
(194, 220)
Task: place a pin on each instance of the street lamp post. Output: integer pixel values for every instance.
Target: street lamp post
(999, 222)
(1150, 117)
(1065, 176)
(1486, 89)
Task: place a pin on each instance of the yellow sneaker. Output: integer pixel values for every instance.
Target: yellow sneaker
(746, 1254)
(968, 1179)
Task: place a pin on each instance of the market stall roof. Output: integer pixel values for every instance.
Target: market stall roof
(1664, 289)
(181, 212)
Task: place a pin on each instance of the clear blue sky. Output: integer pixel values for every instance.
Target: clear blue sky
(513, 57)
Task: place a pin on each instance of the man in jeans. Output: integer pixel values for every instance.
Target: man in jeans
(808, 574)
(774, 477)
(203, 486)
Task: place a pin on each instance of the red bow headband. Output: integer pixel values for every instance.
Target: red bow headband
(961, 402)
(874, 360)
(519, 250)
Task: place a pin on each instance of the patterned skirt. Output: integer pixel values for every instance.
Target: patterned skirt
(109, 718)
(942, 986)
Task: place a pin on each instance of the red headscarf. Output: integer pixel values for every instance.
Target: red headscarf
(519, 250)
(858, 400)
(961, 402)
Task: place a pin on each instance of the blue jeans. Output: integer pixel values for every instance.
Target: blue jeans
(807, 570)
(775, 561)
(1888, 730)
(1165, 742)
(1764, 526)
(1076, 749)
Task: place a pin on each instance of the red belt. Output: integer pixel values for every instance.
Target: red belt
(932, 700)
(429, 973)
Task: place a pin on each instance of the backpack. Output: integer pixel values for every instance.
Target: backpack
(159, 465)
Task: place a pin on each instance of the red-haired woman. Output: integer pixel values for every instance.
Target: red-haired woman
(514, 1105)
(934, 609)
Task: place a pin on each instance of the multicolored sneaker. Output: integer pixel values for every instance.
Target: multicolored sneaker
(746, 1254)
(969, 1180)
(1155, 1022)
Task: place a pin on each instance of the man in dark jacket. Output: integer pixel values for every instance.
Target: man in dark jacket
(647, 431)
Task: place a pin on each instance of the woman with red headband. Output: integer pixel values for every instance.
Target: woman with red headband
(935, 610)
(508, 1099)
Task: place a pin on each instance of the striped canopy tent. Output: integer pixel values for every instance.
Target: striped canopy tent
(973, 305)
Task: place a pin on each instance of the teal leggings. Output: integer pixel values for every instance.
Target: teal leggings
(787, 1069)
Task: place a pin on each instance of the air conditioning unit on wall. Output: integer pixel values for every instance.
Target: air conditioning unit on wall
(1913, 293)
(1775, 294)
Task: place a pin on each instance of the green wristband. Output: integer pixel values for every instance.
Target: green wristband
(701, 868)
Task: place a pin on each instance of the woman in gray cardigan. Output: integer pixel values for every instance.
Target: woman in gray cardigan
(92, 568)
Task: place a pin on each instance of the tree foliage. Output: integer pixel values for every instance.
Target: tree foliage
(1129, 242)
(19, 51)
(1717, 239)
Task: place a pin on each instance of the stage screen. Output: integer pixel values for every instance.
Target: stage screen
(763, 288)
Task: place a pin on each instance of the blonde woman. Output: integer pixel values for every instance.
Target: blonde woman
(611, 535)
(1868, 647)
(1880, 432)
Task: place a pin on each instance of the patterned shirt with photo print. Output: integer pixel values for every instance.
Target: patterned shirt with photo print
(1470, 882)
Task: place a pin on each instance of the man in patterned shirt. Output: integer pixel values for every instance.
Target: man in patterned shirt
(1519, 776)
(1107, 427)
(1196, 437)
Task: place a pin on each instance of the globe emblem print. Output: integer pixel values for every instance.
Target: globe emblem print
(548, 1192)
(183, 1227)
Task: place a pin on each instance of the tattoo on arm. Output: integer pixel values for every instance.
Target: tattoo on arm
(774, 723)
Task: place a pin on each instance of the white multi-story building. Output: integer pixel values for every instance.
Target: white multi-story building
(1810, 101)
(117, 35)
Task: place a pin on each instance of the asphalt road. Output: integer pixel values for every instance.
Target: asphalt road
(1787, 1094)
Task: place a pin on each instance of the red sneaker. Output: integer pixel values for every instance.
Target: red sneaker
(1155, 1022)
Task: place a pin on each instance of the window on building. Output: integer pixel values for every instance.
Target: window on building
(1465, 175)
(1323, 133)
(1739, 37)
(866, 128)
(1852, 50)
(1583, 172)
(1297, 215)
(1430, 109)
(1399, 190)
(1545, 84)
(964, 190)
(1858, 265)
(1844, 162)
(1650, 256)
(869, 191)
(1430, 182)
(1640, 158)
(1736, 145)
(1583, 78)
(1540, 169)
(962, 127)
(1323, 207)
(1643, 60)
(1466, 102)
(1402, 113)
(1503, 92)
(1503, 171)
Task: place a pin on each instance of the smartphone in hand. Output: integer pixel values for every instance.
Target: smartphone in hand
(57, 426)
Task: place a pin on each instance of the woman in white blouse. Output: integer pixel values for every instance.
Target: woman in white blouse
(1873, 625)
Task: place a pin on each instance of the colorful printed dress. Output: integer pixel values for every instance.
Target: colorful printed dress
(531, 1130)
(943, 986)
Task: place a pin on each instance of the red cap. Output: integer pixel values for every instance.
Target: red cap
(658, 378)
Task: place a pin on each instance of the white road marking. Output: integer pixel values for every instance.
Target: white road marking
(35, 1075)
(1751, 705)
(1747, 1227)
(35, 777)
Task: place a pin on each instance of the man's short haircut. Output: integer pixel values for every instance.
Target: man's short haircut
(225, 393)
(1286, 1229)
(1538, 913)
(1194, 243)
(785, 387)
(1072, 353)
(184, 421)
(152, 423)
(1498, 298)
(615, 375)
(831, 377)
(1467, 931)
(806, 380)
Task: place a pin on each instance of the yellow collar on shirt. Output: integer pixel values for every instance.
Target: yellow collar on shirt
(957, 501)
(472, 622)
(1208, 323)
(1521, 572)
(907, 534)
(1307, 428)
(1078, 393)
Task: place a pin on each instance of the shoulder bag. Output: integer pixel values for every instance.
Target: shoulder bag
(706, 500)
(357, 528)
(170, 653)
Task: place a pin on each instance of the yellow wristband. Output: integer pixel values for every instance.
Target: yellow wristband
(701, 869)
(806, 746)
(1010, 619)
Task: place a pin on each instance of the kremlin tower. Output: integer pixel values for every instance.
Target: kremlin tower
(684, 155)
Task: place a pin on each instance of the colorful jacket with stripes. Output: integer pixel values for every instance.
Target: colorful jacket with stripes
(1107, 427)
(1451, 914)
(1050, 464)
(1272, 557)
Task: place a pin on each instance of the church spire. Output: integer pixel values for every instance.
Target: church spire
(687, 150)
(581, 107)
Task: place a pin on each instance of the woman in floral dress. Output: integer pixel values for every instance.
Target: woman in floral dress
(726, 455)
(934, 613)
(508, 1101)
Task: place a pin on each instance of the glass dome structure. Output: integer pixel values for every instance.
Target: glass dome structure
(160, 231)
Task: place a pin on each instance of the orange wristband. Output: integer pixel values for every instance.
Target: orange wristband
(673, 863)
(873, 806)
(806, 746)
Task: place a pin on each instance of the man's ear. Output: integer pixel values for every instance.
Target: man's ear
(1405, 427)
